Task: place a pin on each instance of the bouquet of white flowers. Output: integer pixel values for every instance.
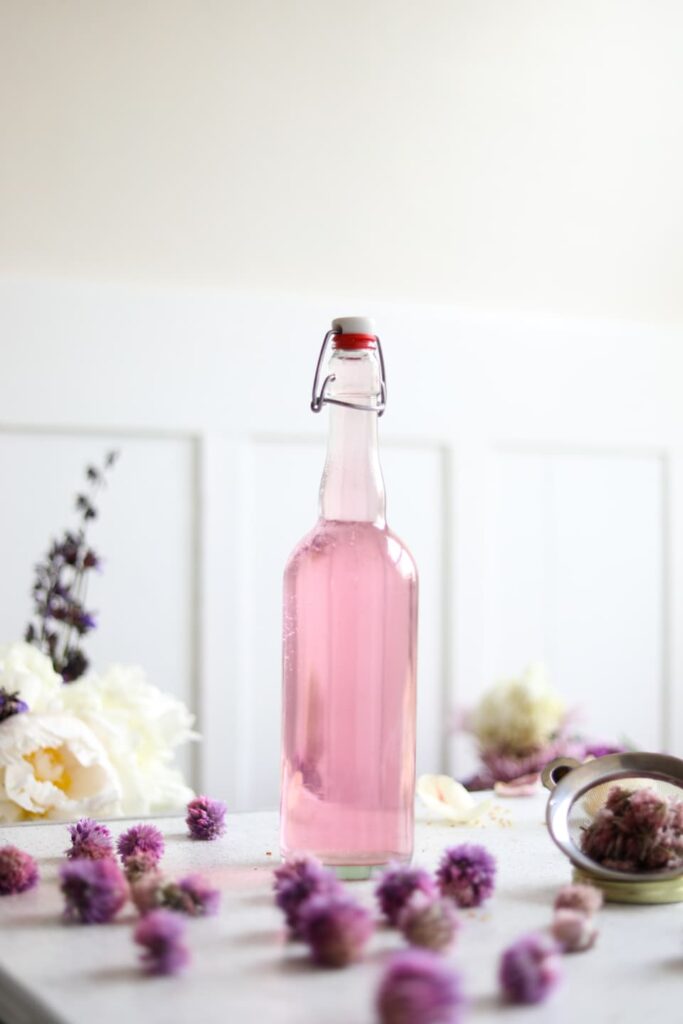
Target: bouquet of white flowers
(72, 741)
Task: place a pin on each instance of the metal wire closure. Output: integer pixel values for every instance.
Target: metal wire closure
(319, 398)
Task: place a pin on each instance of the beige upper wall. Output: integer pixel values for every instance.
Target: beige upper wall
(520, 154)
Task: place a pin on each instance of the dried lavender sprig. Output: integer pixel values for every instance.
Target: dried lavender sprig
(59, 590)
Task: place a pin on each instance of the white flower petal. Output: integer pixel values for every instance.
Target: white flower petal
(450, 800)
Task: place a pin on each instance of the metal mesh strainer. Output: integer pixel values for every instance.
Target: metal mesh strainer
(579, 791)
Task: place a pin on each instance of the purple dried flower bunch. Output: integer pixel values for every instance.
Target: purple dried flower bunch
(205, 818)
(90, 841)
(418, 987)
(295, 882)
(192, 895)
(636, 831)
(94, 890)
(530, 969)
(61, 618)
(467, 874)
(141, 841)
(398, 885)
(161, 935)
(18, 871)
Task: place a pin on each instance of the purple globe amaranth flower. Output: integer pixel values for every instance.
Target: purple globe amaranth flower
(397, 885)
(336, 929)
(431, 923)
(141, 839)
(418, 987)
(573, 930)
(206, 818)
(94, 890)
(585, 898)
(295, 882)
(530, 969)
(636, 831)
(10, 704)
(193, 895)
(18, 871)
(147, 892)
(138, 865)
(467, 874)
(161, 935)
(89, 841)
(597, 749)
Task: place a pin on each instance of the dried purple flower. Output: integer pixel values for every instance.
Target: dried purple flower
(161, 935)
(90, 841)
(585, 898)
(295, 882)
(18, 871)
(60, 617)
(419, 988)
(397, 885)
(147, 892)
(192, 895)
(94, 890)
(467, 874)
(530, 969)
(141, 839)
(138, 865)
(205, 818)
(336, 929)
(428, 922)
(10, 704)
(636, 831)
(573, 930)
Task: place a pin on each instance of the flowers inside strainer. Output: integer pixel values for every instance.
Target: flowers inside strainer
(619, 820)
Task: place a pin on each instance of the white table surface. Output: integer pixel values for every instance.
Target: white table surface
(244, 970)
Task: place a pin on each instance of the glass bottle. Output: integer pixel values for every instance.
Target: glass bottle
(349, 640)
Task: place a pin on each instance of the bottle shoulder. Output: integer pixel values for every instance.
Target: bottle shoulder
(358, 541)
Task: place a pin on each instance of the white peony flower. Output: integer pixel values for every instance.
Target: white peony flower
(53, 766)
(519, 715)
(140, 727)
(25, 670)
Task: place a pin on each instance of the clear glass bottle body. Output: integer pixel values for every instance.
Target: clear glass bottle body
(349, 657)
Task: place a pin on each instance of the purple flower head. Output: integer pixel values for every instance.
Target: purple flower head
(10, 704)
(336, 929)
(397, 885)
(602, 749)
(192, 895)
(161, 935)
(467, 874)
(418, 987)
(637, 830)
(148, 892)
(585, 898)
(94, 890)
(18, 871)
(89, 841)
(428, 922)
(530, 969)
(141, 839)
(140, 864)
(295, 882)
(573, 930)
(205, 818)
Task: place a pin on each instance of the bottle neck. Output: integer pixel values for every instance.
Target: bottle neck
(352, 488)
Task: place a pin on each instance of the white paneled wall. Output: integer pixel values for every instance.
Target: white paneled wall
(533, 467)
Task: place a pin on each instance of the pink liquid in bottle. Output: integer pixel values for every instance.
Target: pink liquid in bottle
(349, 655)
